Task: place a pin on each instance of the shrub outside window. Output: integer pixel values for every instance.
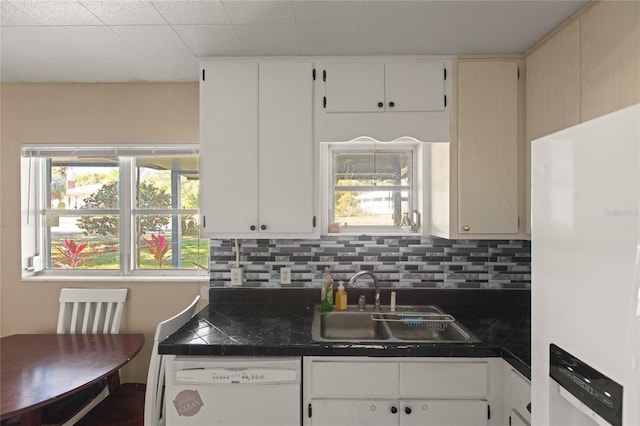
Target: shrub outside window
(120, 211)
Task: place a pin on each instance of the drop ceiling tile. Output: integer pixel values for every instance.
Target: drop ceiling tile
(57, 12)
(155, 41)
(124, 12)
(11, 15)
(210, 40)
(192, 12)
(269, 40)
(90, 43)
(385, 38)
(327, 39)
(259, 12)
(28, 42)
(316, 12)
(395, 11)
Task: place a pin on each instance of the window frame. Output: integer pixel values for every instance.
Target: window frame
(35, 210)
(368, 145)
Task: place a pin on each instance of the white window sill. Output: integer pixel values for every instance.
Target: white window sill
(120, 278)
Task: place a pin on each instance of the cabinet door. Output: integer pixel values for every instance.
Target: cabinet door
(444, 379)
(610, 58)
(421, 412)
(488, 147)
(553, 83)
(517, 420)
(355, 87)
(414, 86)
(229, 147)
(520, 395)
(354, 412)
(286, 166)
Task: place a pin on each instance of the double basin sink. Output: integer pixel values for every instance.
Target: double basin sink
(407, 324)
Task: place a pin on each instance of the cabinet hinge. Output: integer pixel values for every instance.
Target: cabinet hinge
(314, 74)
(203, 75)
(314, 221)
(488, 412)
(445, 73)
(324, 75)
(309, 410)
(324, 102)
(445, 101)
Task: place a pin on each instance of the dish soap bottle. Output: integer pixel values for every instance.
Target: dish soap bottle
(341, 298)
(326, 293)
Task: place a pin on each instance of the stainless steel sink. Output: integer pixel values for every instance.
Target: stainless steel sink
(351, 325)
(385, 326)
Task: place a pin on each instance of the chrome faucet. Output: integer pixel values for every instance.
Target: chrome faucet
(355, 277)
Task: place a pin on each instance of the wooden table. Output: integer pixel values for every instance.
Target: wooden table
(37, 369)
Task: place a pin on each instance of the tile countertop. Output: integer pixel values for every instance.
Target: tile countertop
(277, 322)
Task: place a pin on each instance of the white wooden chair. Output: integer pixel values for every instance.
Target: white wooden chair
(130, 402)
(86, 311)
(90, 310)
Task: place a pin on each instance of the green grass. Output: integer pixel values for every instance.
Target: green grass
(103, 253)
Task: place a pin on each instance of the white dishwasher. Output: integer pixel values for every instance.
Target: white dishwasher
(233, 391)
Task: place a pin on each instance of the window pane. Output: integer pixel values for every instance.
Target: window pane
(170, 242)
(83, 242)
(372, 169)
(164, 182)
(370, 208)
(83, 183)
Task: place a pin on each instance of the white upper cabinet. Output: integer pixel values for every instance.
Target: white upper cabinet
(256, 150)
(384, 87)
(382, 99)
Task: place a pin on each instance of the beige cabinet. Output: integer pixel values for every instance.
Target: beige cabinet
(479, 195)
(610, 57)
(553, 83)
(588, 68)
(256, 150)
(397, 391)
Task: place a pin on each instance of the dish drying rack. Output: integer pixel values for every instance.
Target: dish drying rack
(435, 322)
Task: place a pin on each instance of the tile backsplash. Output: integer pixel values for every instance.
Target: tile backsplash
(412, 262)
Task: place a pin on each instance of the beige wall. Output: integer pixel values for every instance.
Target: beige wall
(87, 114)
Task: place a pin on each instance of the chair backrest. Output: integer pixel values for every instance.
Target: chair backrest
(154, 409)
(90, 310)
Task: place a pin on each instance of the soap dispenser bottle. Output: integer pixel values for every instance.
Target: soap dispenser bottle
(326, 293)
(341, 298)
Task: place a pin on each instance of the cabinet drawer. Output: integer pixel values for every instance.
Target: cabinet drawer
(520, 394)
(354, 378)
(444, 379)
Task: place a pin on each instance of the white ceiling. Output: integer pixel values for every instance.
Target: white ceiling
(162, 40)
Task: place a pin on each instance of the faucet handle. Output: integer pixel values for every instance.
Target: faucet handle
(361, 303)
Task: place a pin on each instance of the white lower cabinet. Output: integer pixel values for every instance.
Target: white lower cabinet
(401, 391)
(404, 412)
(518, 391)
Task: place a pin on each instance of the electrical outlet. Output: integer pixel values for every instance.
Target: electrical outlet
(285, 275)
(236, 276)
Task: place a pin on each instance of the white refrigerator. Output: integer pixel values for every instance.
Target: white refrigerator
(585, 232)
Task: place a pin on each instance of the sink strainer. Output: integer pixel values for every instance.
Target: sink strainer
(435, 322)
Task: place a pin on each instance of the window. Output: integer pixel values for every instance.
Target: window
(121, 211)
(371, 187)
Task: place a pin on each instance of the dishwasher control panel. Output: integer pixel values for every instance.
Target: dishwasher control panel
(236, 376)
